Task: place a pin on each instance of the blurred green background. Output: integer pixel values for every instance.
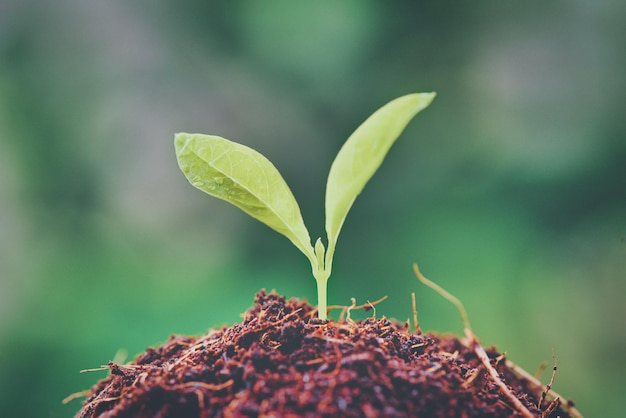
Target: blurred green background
(510, 190)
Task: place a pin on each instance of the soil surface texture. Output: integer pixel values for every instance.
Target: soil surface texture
(282, 361)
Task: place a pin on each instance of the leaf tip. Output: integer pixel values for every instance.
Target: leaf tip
(422, 100)
(319, 252)
(181, 139)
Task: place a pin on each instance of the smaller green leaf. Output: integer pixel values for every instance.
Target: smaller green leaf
(245, 178)
(360, 157)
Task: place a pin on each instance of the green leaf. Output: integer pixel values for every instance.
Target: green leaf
(245, 178)
(360, 157)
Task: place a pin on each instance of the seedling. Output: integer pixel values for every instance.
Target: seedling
(245, 178)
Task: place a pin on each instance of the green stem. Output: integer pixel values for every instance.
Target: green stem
(321, 296)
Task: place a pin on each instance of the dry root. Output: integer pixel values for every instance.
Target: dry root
(473, 343)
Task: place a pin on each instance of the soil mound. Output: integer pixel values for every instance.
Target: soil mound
(281, 361)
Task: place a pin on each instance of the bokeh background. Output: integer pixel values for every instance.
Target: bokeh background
(510, 190)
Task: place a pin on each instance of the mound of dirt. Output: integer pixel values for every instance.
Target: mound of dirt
(281, 361)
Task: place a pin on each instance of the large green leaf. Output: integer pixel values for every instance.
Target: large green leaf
(360, 157)
(245, 178)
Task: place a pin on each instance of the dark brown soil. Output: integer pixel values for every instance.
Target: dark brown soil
(283, 362)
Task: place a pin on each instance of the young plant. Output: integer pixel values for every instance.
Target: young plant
(245, 178)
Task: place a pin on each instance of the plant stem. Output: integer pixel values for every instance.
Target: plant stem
(321, 297)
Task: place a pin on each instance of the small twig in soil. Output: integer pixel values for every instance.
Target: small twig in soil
(473, 344)
(369, 304)
(504, 389)
(549, 385)
(532, 379)
(553, 405)
(498, 359)
(473, 376)
(96, 369)
(485, 359)
(207, 386)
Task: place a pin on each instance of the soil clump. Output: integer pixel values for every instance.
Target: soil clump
(281, 361)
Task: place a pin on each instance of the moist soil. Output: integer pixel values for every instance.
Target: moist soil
(281, 361)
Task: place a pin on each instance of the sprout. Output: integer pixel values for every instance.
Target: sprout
(245, 178)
